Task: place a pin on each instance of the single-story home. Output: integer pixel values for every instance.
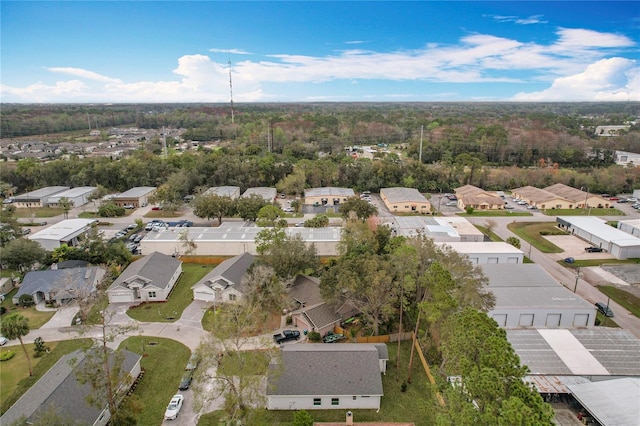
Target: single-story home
(329, 195)
(405, 200)
(148, 279)
(335, 376)
(60, 390)
(60, 285)
(225, 282)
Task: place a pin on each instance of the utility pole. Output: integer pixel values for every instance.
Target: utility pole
(421, 135)
(575, 287)
(231, 91)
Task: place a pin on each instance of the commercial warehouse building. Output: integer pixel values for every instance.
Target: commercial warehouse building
(594, 230)
(38, 198)
(231, 239)
(405, 200)
(136, 197)
(631, 226)
(327, 196)
(440, 229)
(232, 192)
(487, 252)
(78, 196)
(581, 199)
(528, 297)
(67, 232)
(268, 194)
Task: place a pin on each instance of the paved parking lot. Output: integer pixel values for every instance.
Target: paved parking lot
(574, 247)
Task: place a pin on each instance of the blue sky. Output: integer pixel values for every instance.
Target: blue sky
(165, 51)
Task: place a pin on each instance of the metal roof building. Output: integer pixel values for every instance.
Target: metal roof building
(596, 231)
(268, 194)
(64, 232)
(487, 252)
(77, 196)
(401, 199)
(440, 229)
(527, 296)
(610, 402)
(232, 238)
(224, 191)
(327, 195)
(39, 197)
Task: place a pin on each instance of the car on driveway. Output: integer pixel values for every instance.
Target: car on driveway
(509, 207)
(286, 335)
(604, 309)
(186, 380)
(128, 206)
(171, 413)
(3, 340)
(193, 362)
(451, 203)
(593, 250)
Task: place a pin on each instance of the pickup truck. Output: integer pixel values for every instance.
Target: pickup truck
(286, 335)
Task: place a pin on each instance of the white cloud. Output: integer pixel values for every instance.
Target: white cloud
(613, 79)
(82, 73)
(230, 51)
(533, 19)
(574, 60)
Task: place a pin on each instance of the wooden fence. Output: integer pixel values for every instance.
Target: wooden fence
(427, 370)
(386, 338)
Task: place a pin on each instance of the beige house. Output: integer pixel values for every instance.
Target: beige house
(478, 198)
(327, 196)
(581, 199)
(405, 200)
(542, 199)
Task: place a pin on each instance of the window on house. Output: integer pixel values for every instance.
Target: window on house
(355, 397)
(152, 294)
(317, 401)
(232, 297)
(335, 401)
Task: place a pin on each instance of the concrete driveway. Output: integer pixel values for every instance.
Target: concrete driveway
(63, 316)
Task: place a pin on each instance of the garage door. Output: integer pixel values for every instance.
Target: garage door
(526, 320)
(512, 260)
(553, 320)
(580, 320)
(120, 297)
(501, 319)
(492, 260)
(203, 295)
(473, 260)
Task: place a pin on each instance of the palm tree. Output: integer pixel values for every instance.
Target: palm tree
(14, 327)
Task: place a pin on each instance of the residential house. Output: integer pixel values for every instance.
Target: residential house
(335, 376)
(59, 389)
(148, 279)
(225, 282)
(60, 285)
(405, 200)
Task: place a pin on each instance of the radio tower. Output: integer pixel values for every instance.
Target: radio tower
(231, 91)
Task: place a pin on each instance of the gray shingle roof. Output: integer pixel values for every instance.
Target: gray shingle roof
(327, 369)
(158, 268)
(322, 315)
(305, 290)
(64, 282)
(231, 270)
(60, 388)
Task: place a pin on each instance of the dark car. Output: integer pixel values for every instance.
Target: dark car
(604, 309)
(193, 362)
(593, 250)
(186, 380)
(286, 335)
(569, 260)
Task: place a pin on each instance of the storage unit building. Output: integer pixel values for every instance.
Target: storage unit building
(78, 196)
(528, 297)
(37, 198)
(67, 232)
(405, 200)
(596, 231)
(631, 226)
(136, 197)
(268, 194)
(487, 252)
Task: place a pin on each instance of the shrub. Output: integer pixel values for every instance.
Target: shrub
(3, 310)
(6, 355)
(314, 336)
(469, 209)
(39, 348)
(26, 300)
(302, 418)
(289, 320)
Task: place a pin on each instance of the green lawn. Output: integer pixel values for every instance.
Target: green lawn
(417, 404)
(39, 212)
(531, 233)
(180, 297)
(36, 318)
(164, 365)
(627, 300)
(14, 374)
(583, 212)
(492, 235)
(603, 321)
(481, 213)
(596, 262)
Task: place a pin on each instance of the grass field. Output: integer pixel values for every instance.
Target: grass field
(14, 374)
(627, 300)
(597, 262)
(162, 214)
(492, 235)
(531, 233)
(164, 365)
(583, 212)
(36, 318)
(38, 212)
(417, 404)
(180, 297)
(508, 213)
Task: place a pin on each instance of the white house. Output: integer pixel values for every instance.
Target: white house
(334, 376)
(225, 282)
(627, 159)
(149, 279)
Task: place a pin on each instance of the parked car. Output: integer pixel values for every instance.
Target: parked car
(171, 413)
(622, 200)
(132, 226)
(604, 309)
(532, 207)
(569, 260)
(509, 207)
(128, 206)
(286, 335)
(43, 223)
(193, 362)
(593, 250)
(614, 199)
(7, 201)
(149, 226)
(156, 208)
(3, 340)
(451, 203)
(138, 238)
(26, 231)
(186, 380)
(288, 209)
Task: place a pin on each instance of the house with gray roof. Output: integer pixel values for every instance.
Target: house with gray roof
(149, 279)
(335, 376)
(60, 285)
(225, 282)
(60, 390)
